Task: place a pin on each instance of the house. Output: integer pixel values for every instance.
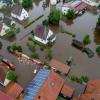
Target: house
(4, 96)
(78, 6)
(3, 28)
(2, 4)
(92, 91)
(59, 66)
(92, 2)
(13, 89)
(8, 21)
(3, 73)
(43, 34)
(47, 85)
(19, 12)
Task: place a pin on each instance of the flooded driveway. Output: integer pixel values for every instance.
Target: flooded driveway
(62, 49)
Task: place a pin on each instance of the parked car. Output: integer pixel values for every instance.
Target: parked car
(8, 63)
(89, 52)
(77, 44)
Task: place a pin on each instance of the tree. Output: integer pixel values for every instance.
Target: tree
(54, 17)
(86, 40)
(27, 3)
(45, 23)
(98, 50)
(70, 14)
(11, 75)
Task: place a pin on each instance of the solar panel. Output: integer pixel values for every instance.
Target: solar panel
(35, 84)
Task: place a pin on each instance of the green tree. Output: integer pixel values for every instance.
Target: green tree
(27, 3)
(98, 50)
(11, 75)
(70, 14)
(86, 40)
(45, 23)
(54, 17)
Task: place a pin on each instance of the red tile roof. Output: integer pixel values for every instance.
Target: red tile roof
(92, 91)
(3, 96)
(13, 90)
(3, 72)
(81, 6)
(51, 88)
(59, 66)
(67, 90)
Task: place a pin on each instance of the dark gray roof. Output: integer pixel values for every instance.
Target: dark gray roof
(7, 20)
(17, 10)
(41, 31)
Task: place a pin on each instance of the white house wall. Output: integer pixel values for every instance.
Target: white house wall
(40, 40)
(24, 15)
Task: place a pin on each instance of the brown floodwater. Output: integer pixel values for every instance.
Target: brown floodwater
(62, 49)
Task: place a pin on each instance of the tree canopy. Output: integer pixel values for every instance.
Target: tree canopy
(27, 3)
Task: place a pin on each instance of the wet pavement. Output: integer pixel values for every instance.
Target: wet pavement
(62, 49)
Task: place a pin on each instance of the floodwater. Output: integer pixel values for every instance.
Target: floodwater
(62, 49)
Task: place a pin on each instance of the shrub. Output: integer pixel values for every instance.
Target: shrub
(15, 47)
(54, 17)
(86, 40)
(98, 50)
(70, 14)
(34, 55)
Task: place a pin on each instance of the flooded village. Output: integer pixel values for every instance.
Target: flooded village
(60, 67)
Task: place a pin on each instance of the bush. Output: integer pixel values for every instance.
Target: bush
(86, 40)
(70, 14)
(31, 46)
(80, 80)
(54, 17)
(0, 45)
(98, 50)
(11, 75)
(34, 55)
(15, 47)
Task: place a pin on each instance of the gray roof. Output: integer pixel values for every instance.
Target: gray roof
(41, 32)
(7, 20)
(17, 10)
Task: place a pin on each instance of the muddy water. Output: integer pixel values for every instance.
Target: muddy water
(62, 48)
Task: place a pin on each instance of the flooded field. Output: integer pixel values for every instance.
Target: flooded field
(62, 49)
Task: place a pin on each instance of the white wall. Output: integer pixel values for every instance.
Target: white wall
(24, 15)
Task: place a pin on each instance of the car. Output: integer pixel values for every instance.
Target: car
(77, 44)
(89, 52)
(8, 63)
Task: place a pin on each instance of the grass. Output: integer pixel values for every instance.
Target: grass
(67, 32)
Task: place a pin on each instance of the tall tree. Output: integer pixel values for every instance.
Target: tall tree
(27, 3)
